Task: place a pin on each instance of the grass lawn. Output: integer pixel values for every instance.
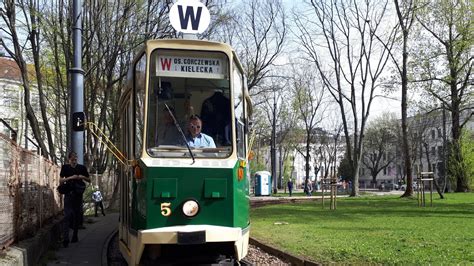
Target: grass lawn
(372, 229)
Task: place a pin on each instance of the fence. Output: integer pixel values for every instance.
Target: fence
(28, 196)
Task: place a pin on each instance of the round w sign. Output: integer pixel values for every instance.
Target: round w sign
(189, 16)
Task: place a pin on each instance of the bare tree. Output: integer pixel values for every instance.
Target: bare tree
(27, 43)
(406, 15)
(327, 152)
(350, 59)
(380, 140)
(424, 128)
(308, 92)
(258, 32)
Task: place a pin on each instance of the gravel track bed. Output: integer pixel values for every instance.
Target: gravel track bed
(256, 256)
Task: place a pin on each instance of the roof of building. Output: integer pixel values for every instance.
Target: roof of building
(9, 69)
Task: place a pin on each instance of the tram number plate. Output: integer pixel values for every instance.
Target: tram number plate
(190, 238)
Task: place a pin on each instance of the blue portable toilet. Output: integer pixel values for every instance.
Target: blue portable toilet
(263, 183)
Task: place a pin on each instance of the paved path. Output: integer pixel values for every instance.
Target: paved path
(88, 251)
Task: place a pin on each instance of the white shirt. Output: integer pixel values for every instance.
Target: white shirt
(97, 196)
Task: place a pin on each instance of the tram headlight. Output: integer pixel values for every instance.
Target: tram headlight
(190, 208)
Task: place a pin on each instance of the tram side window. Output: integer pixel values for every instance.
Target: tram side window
(139, 92)
(239, 111)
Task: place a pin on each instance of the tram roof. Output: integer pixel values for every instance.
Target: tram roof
(188, 44)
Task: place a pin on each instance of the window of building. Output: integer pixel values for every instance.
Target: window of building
(433, 134)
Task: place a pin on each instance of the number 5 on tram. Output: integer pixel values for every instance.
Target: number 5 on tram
(184, 122)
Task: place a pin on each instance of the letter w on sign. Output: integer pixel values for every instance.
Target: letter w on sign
(189, 15)
(165, 63)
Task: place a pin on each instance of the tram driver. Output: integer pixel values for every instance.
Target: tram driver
(195, 137)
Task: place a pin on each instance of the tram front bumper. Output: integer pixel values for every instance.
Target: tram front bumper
(195, 234)
(190, 234)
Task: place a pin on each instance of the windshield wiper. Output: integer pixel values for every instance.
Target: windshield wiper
(180, 131)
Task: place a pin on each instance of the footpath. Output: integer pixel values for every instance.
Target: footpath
(92, 241)
(87, 251)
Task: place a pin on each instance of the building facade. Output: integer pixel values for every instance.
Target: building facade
(429, 136)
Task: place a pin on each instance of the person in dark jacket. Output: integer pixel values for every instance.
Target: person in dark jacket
(216, 116)
(74, 174)
(290, 186)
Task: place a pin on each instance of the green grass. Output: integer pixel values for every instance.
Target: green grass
(376, 230)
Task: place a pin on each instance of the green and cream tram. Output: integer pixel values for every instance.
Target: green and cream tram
(180, 202)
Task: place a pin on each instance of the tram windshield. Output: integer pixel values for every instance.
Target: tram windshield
(189, 104)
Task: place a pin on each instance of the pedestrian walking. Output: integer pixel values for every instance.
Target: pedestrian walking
(97, 198)
(290, 186)
(73, 175)
(309, 188)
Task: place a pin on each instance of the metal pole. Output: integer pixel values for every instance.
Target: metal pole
(445, 174)
(77, 80)
(280, 167)
(273, 144)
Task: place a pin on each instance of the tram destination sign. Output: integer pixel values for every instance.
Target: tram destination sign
(190, 66)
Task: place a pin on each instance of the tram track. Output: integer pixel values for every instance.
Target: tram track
(259, 253)
(256, 255)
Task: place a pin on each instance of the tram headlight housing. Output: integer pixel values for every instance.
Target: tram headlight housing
(190, 208)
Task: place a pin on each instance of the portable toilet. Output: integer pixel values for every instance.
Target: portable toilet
(263, 183)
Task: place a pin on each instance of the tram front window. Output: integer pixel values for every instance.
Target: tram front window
(189, 105)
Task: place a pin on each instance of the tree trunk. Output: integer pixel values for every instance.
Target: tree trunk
(404, 104)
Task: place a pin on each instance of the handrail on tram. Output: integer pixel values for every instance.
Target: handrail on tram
(252, 139)
(102, 137)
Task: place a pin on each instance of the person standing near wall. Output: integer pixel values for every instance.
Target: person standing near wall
(74, 175)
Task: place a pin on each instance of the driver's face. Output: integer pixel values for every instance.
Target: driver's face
(195, 127)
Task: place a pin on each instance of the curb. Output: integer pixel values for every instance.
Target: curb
(294, 260)
(105, 248)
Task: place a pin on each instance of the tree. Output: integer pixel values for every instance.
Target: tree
(445, 68)
(467, 150)
(308, 93)
(345, 168)
(22, 48)
(380, 140)
(406, 16)
(357, 58)
(327, 153)
(257, 30)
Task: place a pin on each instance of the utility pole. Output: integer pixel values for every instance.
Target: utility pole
(77, 85)
(273, 144)
(280, 167)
